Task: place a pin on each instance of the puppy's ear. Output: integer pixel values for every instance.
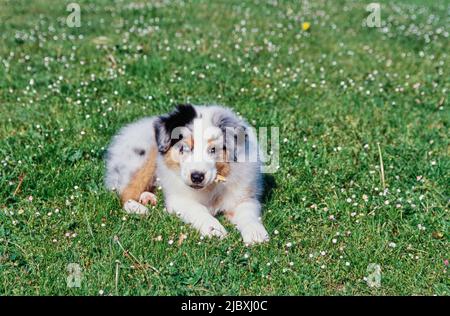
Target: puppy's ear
(234, 131)
(166, 126)
(161, 135)
(226, 119)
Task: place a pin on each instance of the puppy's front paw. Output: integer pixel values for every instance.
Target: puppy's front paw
(211, 227)
(133, 207)
(254, 233)
(147, 197)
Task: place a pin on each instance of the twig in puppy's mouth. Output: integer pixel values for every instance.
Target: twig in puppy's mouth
(220, 178)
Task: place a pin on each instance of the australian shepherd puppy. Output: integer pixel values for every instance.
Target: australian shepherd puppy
(206, 160)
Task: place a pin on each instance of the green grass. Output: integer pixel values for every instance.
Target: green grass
(335, 92)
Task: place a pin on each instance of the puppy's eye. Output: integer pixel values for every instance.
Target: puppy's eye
(212, 150)
(184, 149)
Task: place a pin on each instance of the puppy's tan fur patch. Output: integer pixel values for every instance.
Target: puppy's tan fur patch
(229, 214)
(223, 167)
(190, 142)
(142, 180)
(171, 159)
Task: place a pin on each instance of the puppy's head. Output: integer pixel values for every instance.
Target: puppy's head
(199, 143)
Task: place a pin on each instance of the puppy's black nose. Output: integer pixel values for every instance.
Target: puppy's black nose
(197, 177)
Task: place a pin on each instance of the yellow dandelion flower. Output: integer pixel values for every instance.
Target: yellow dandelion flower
(306, 26)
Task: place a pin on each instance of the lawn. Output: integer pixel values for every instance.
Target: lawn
(363, 178)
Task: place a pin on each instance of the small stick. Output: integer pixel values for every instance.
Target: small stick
(381, 167)
(21, 177)
(130, 255)
(112, 60)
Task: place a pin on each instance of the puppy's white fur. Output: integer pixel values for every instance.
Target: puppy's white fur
(238, 197)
